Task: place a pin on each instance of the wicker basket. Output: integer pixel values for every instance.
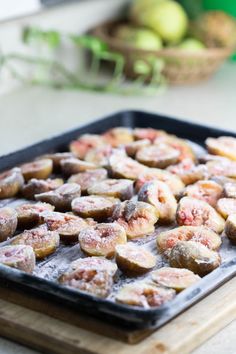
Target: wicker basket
(181, 67)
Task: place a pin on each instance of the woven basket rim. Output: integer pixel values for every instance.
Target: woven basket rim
(102, 31)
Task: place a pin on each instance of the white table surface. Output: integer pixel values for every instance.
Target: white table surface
(28, 115)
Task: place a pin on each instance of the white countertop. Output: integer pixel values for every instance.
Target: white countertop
(31, 114)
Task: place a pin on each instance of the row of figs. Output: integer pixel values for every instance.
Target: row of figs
(110, 193)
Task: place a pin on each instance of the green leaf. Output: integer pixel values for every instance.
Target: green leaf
(90, 42)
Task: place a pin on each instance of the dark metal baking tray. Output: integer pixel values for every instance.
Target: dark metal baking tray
(106, 309)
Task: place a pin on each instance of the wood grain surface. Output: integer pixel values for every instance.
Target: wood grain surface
(181, 335)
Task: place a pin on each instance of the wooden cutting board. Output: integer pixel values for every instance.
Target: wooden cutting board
(181, 335)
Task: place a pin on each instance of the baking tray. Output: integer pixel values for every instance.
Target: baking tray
(105, 309)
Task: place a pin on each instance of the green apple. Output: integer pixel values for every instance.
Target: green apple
(166, 17)
(191, 44)
(141, 38)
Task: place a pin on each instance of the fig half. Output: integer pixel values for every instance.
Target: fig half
(148, 133)
(118, 136)
(88, 179)
(187, 171)
(67, 225)
(56, 158)
(230, 228)
(94, 206)
(174, 182)
(125, 167)
(10, 183)
(117, 188)
(132, 148)
(160, 156)
(144, 294)
(208, 191)
(84, 143)
(194, 212)
(181, 145)
(224, 146)
(61, 197)
(19, 256)
(40, 169)
(195, 257)
(166, 240)
(175, 278)
(8, 223)
(137, 218)
(29, 215)
(134, 260)
(226, 206)
(73, 166)
(42, 241)
(93, 275)
(159, 195)
(37, 186)
(102, 239)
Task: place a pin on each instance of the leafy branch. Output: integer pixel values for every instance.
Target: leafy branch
(52, 72)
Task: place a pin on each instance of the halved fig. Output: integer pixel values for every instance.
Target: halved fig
(223, 146)
(195, 257)
(230, 228)
(118, 136)
(88, 179)
(40, 169)
(181, 145)
(117, 188)
(226, 206)
(29, 215)
(42, 241)
(166, 240)
(160, 155)
(222, 180)
(225, 168)
(148, 133)
(93, 275)
(174, 182)
(230, 189)
(159, 195)
(67, 225)
(187, 171)
(137, 218)
(20, 257)
(100, 156)
(195, 212)
(8, 223)
(132, 148)
(144, 294)
(94, 206)
(209, 191)
(61, 197)
(10, 183)
(134, 260)
(125, 167)
(37, 186)
(175, 278)
(73, 166)
(84, 143)
(56, 158)
(208, 157)
(102, 239)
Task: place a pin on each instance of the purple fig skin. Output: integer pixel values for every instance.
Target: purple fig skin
(10, 183)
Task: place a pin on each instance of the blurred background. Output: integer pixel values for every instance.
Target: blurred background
(64, 63)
